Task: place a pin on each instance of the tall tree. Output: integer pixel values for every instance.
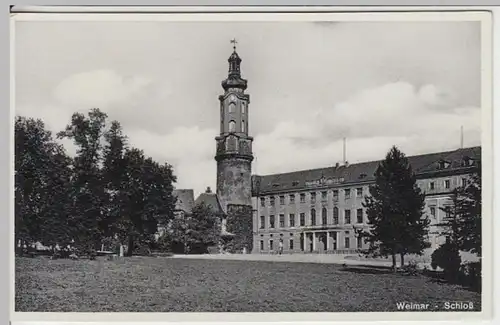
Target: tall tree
(113, 176)
(147, 197)
(42, 183)
(88, 193)
(462, 222)
(395, 211)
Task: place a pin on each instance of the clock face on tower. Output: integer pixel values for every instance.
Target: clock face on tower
(232, 98)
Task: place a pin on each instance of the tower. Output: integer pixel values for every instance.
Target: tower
(234, 145)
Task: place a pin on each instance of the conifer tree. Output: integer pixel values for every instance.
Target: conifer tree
(395, 211)
(462, 222)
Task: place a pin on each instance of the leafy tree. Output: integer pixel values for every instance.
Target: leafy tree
(395, 211)
(146, 197)
(196, 230)
(42, 181)
(87, 217)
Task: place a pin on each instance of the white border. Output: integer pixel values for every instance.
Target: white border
(267, 15)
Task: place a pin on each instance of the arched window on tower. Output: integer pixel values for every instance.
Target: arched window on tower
(324, 216)
(232, 126)
(232, 107)
(243, 126)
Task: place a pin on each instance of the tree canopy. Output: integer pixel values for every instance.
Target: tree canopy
(106, 190)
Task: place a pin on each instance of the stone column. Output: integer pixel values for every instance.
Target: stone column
(314, 241)
(328, 241)
(305, 241)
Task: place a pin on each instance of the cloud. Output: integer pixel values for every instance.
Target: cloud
(190, 150)
(104, 89)
(418, 120)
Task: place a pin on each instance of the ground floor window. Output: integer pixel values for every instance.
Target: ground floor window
(360, 242)
(291, 244)
(347, 242)
(271, 245)
(261, 245)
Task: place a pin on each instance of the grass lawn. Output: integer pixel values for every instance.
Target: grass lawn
(144, 284)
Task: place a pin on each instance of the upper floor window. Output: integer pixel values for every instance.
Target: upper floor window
(313, 197)
(324, 195)
(232, 108)
(302, 198)
(262, 222)
(243, 126)
(347, 217)
(335, 216)
(447, 184)
(464, 182)
(291, 220)
(433, 212)
(292, 198)
(335, 195)
(282, 199)
(232, 126)
(302, 219)
(324, 216)
(347, 193)
(271, 221)
(431, 185)
(313, 217)
(359, 215)
(243, 107)
(262, 201)
(282, 221)
(271, 199)
(359, 192)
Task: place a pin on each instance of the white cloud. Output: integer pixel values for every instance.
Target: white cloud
(98, 88)
(372, 120)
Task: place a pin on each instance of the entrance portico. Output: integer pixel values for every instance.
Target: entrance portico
(320, 240)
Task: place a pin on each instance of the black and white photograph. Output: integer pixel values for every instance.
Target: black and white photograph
(312, 163)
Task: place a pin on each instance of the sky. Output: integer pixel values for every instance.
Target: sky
(378, 84)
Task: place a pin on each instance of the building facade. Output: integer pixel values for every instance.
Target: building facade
(318, 211)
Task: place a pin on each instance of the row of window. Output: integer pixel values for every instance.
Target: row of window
(447, 184)
(347, 194)
(312, 218)
(347, 244)
(324, 196)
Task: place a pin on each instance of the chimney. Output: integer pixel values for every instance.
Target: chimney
(337, 165)
(208, 190)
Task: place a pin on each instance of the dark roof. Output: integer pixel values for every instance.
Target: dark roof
(185, 200)
(211, 200)
(358, 173)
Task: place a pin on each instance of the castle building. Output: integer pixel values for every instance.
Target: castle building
(316, 210)
(319, 210)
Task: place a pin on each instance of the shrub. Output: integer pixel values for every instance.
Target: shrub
(471, 275)
(448, 258)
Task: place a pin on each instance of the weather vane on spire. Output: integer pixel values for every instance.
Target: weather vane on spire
(234, 42)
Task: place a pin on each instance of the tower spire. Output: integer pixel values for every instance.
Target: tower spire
(234, 42)
(234, 79)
